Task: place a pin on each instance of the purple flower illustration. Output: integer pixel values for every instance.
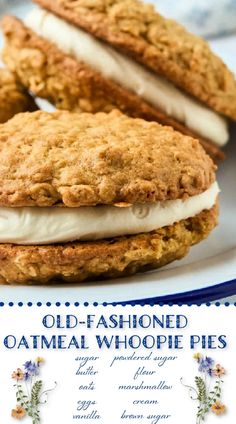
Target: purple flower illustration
(26, 376)
(205, 364)
(31, 368)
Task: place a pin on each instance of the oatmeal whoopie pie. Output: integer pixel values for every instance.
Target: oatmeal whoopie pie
(13, 97)
(98, 55)
(87, 197)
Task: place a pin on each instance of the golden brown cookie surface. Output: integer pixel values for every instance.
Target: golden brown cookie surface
(13, 97)
(75, 262)
(160, 44)
(74, 86)
(72, 159)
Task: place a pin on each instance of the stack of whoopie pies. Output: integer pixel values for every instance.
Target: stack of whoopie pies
(93, 192)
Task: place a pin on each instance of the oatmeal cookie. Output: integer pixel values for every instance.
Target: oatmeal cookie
(13, 97)
(72, 85)
(161, 44)
(72, 159)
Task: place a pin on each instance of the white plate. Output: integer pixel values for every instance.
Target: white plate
(210, 263)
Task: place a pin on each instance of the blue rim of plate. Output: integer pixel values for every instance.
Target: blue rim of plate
(199, 296)
(193, 297)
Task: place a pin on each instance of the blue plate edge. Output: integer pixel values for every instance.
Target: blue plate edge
(199, 296)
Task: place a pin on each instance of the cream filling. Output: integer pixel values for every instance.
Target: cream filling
(152, 88)
(32, 225)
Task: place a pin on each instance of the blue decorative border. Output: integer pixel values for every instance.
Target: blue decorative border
(76, 304)
(104, 304)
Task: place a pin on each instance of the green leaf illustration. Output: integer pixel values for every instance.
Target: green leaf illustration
(35, 393)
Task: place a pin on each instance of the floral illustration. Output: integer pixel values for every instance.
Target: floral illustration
(29, 393)
(208, 387)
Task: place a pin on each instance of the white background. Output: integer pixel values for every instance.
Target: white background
(61, 366)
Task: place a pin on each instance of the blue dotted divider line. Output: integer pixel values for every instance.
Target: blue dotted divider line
(114, 304)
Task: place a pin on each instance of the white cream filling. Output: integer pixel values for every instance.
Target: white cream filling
(129, 74)
(32, 225)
